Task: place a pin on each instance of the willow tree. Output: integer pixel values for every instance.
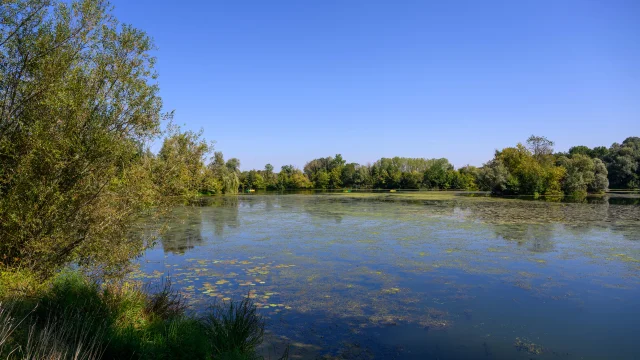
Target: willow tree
(78, 101)
(180, 169)
(227, 174)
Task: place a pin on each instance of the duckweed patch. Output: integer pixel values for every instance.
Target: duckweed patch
(528, 346)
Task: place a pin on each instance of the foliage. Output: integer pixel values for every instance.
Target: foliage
(326, 173)
(253, 180)
(534, 170)
(580, 173)
(493, 176)
(600, 181)
(227, 174)
(78, 101)
(623, 163)
(291, 178)
(540, 147)
(180, 169)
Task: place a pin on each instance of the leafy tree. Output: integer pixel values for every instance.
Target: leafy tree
(581, 149)
(291, 178)
(469, 175)
(233, 165)
(180, 169)
(363, 177)
(225, 173)
(540, 147)
(580, 174)
(349, 172)
(437, 176)
(269, 177)
(600, 181)
(530, 171)
(493, 176)
(321, 180)
(78, 101)
(318, 170)
(599, 152)
(335, 178)
(623, 163)
(253, 180)
(411, 180)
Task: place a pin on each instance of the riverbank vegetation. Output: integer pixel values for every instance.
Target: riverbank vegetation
(532, 168)
(72, 317)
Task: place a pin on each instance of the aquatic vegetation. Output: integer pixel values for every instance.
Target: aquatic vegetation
(528, 346)
(390, 263)
(626, 258)
(393, 290)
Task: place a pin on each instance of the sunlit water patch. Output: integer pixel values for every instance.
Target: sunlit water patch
(449, 278)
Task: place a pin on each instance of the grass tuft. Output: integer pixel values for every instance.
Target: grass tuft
(234, 329)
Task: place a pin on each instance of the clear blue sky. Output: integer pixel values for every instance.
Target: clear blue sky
(288, 81)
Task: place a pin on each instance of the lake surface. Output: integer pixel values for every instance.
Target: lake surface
(415, 276)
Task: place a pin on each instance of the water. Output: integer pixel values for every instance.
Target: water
(414, 276)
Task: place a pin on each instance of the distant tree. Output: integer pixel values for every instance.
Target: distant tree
(363, 178)
(623, 164)
(291, 178)
(540, 146)
(600, 152)
(338, 162)
(180, 170)
(233, 165)
(321, 179)
(600, 181)
(436, 176)
(269, 177)
(268, 169)
(349, 172)
(411, 180)
(494, 176)
(335, 177)
(581, 149)
(469, 176)
(225, 173)
(253, 180)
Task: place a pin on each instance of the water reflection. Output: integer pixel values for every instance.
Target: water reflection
(536, 238)
(184, 231)
(186, 224)
(220, 220)
(454, 277)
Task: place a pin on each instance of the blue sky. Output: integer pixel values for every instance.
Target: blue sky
(288, 81)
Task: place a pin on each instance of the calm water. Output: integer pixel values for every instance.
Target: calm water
(414, 277)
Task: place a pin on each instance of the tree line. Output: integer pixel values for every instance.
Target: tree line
(532, 168)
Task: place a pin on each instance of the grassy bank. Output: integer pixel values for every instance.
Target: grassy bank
(72, 317)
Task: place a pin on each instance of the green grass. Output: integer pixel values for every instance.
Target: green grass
(72, 317)
(235, 330)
